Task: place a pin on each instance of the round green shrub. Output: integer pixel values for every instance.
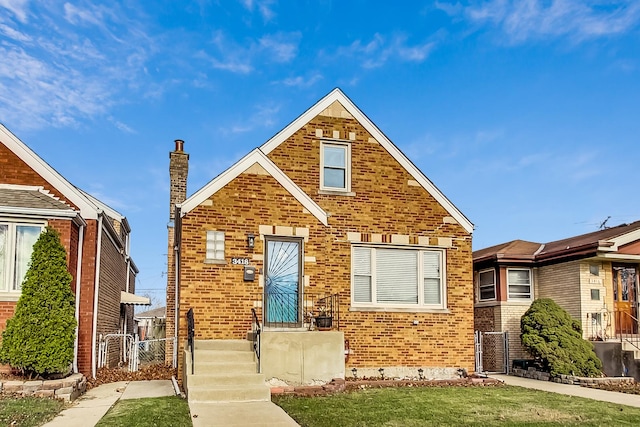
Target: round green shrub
(554, 338)
(39, 338)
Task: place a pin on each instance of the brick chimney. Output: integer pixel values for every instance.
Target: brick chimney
(178, 170)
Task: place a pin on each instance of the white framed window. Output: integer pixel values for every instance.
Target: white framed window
(487, 285)
(335, 166)
(215, 246)
(16, 247)
(394, 277)
(519, 284)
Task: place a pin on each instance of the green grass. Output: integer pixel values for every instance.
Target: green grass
(455, 406)
(28, 411)
(152, 412)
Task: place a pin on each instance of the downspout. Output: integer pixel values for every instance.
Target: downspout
(177, 235)
(96, 288)
(78, 287)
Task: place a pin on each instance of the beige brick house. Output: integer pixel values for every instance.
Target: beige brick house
(96, 238)
(593, 276)
(329, 215)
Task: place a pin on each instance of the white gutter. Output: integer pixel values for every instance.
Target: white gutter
(78, 287)
(176, 250)
(96, 287)
(48, 213)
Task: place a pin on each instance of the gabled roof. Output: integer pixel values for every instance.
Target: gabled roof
(87, 208)
(255, 156)
(339, 96)
(584, 245)
(150, 314)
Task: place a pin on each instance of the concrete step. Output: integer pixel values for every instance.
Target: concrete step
(215, 380)
(232, 345)
(232, 368)
(229, 393)
(223, 356)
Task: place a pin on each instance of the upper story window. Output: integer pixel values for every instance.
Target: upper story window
(487, 285)
(397, 277)
(215, 246)
(519, 284)
(335, 171)
(16, 246)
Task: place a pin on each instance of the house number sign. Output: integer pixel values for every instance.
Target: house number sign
(240, 261)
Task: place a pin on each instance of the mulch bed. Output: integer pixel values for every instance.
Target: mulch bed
(630, 388)
(351, 384)
(145, 373)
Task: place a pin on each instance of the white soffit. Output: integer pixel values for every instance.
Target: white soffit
(255, 156)
(87, 209)
(625, 238)
(338, 95)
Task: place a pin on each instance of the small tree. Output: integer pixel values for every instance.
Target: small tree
(554, 338)
(39, 338)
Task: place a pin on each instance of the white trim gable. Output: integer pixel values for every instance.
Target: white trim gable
(338, 95)
(623, 239)
(255, 156)
(87, 209)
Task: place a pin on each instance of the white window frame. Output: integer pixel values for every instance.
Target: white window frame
(212, 238)
(7, 288)
(347, 178)
(509, 293)
(493, 285)
(373, 304)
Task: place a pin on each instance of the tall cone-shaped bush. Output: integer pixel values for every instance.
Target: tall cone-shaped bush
(39, 338)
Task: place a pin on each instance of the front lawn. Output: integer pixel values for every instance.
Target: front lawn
(172, 411)
(28, 411)
(477, 406)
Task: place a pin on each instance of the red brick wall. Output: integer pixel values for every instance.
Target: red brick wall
(14, 171)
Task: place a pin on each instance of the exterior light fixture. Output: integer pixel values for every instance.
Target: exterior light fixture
(381, 370)
(251, 240)
(420, 372)
(354, 371)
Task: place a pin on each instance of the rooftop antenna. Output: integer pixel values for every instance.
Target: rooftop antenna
(603, 225)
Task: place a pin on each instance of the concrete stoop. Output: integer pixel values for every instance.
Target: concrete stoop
(225, 371)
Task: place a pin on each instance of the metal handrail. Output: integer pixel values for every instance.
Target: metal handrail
(256, 330)
(624, 325)
(191, 329)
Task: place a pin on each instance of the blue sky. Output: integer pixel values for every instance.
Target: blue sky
(526, 114)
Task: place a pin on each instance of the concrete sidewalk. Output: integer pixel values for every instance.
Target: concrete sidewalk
(234, 414)
(89, 408)
(572, 390)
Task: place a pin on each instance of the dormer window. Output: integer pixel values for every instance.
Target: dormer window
(335, 173)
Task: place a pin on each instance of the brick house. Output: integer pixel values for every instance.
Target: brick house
(328, 211)
(96, 238)
(593, 276)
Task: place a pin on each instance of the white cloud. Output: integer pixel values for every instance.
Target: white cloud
(264, 7)
(263, 117)
(523, 20)
(381, 49)
(17, 7)
(284, 47)
(300, 81)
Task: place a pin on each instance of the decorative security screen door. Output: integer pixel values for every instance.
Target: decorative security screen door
(282, 293)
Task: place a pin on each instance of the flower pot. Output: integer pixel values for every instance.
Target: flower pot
(323, 323)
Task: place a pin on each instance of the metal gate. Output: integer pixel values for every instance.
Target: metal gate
(492, 352)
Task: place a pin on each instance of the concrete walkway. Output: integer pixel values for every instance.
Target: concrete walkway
(89, 408)
(572, 390)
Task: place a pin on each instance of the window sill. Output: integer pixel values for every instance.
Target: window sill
(400, 309)
(336, 193)
(215, 261)
(9, 296)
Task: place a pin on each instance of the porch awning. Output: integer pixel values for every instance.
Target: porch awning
(129, 298)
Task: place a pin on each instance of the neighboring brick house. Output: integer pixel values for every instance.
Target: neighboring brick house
(96, 238)
(328, 206)
(593, 276)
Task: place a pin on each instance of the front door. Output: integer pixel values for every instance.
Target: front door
(625, 281)
(282, 290)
